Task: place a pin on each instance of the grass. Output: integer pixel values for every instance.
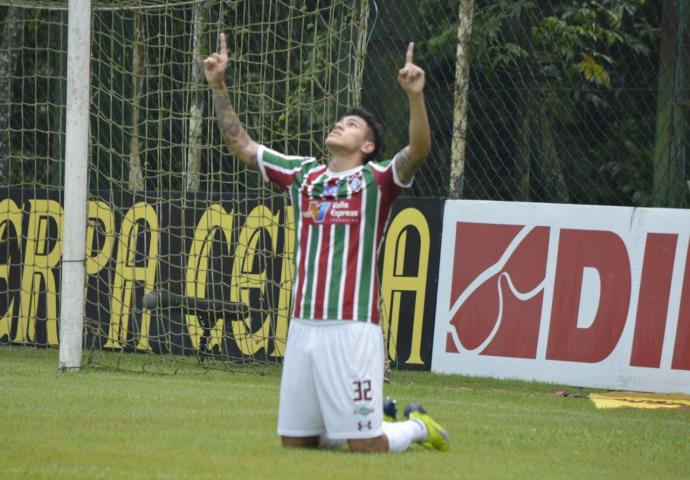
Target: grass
(108, 424)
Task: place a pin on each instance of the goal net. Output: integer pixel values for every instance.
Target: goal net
(188, 254)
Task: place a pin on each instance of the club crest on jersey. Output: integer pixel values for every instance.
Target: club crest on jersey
(355, 181)
(317, 211)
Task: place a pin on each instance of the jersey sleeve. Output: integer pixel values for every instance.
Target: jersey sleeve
(387, 176)
(282, 170)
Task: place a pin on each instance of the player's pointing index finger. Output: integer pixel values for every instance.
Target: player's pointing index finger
(223, 46)
(410, 53)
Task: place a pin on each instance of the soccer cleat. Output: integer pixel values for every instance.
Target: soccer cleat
(390, 409)
(437, 437)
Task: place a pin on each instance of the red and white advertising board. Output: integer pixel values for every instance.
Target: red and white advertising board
(573, 294)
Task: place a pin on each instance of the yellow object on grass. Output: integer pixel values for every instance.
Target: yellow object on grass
(640, 400)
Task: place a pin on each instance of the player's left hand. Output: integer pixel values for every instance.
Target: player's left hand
(411, 77)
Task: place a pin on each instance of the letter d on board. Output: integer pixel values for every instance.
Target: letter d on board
(606, 253)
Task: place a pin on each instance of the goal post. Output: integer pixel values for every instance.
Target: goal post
(76, 185)
(158, 243)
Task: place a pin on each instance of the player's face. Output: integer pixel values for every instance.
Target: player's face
(350, 134)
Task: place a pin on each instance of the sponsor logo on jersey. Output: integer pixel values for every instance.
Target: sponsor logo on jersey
(336, 212)
(317, 211)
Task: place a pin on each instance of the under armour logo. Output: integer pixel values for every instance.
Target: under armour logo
(362, 425)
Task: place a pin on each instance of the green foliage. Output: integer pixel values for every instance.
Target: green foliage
(580, 71)
(36, 112)
(587, 30)
(489, 48)
(583, 71)
(288, 76)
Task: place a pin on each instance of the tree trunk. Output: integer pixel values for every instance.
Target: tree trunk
(136, 173)
(555, 188)
(670, 172)
(461, 98)
(193, 180)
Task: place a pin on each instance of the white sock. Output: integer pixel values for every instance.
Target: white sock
(402, 434)
(326, 442)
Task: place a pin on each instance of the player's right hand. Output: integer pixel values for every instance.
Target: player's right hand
(216, 63)
(411, 77)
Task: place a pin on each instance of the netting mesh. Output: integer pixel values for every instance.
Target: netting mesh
(561, 101)
(292, 72)
(565, 101)
(171, 213)
(194, 222)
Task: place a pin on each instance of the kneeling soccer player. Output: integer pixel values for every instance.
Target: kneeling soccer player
(332, 384)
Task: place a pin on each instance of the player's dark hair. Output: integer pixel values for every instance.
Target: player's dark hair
(374, 127)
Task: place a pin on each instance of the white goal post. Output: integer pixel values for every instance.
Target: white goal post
(76, 185)
(152, 205)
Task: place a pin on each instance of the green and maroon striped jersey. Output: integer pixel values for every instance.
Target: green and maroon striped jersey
(340, 218)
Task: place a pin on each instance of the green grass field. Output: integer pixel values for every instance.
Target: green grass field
(106, 424)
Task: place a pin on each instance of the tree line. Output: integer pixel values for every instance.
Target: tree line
(581, 101)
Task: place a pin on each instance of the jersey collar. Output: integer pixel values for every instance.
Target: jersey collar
(343, 173)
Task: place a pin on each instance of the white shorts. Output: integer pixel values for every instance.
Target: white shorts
(332, 380)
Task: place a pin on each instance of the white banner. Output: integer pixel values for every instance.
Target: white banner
(580, 295)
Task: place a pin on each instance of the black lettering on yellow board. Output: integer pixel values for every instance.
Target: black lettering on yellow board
(287, 275)
(215, 220)
(101, 219)
(128, 260)
(10, 217)
(246, 277)
(394, 281)
(41, 255)
(128, 274)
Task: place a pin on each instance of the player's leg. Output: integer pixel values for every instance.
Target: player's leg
(349, 383)
(300, 422)
(419, 428)
(369, 445)
(390, 412)
(300, 442)
(436, 436)
(397, 437)
(400, 435)
(348, 371)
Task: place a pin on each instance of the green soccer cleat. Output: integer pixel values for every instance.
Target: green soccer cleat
(437, 437)
(390, 410)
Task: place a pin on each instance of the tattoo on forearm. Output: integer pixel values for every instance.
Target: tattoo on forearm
(230, 126)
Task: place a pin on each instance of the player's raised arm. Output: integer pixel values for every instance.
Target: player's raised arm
(239, 143)
(411, 79)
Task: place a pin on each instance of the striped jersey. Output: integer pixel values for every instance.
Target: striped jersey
(340, 218)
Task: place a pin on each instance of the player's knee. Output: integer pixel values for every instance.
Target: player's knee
(300, 442)
(369, 445)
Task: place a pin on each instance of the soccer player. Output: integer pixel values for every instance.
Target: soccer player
(332, 382)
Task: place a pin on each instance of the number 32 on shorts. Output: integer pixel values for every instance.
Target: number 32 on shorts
(362, 390)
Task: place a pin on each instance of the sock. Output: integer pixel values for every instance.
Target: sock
(325, 442)
(402, 434)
